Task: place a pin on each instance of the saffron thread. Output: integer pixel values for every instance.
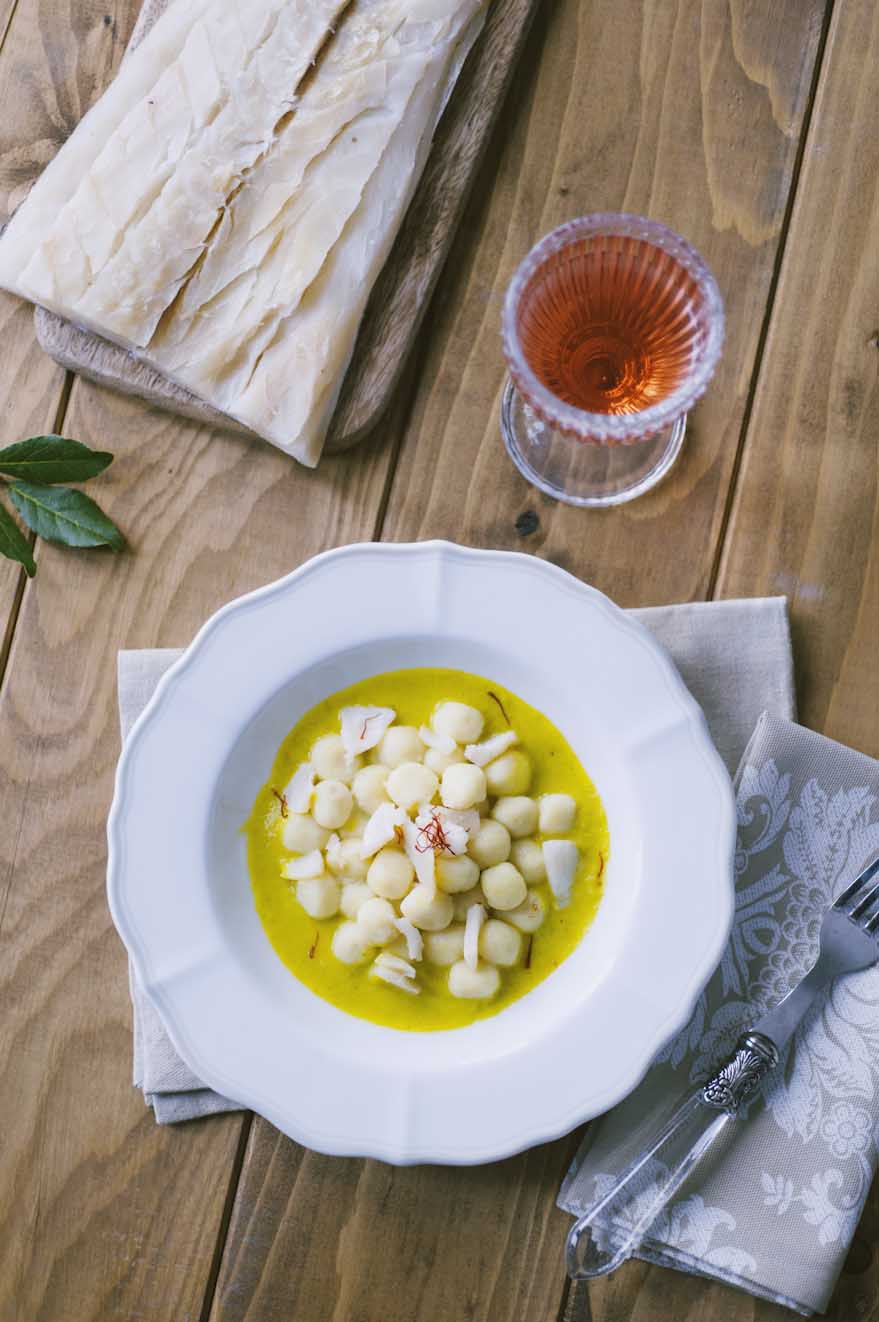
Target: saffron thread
(312, 949)
(282, 800)
(365, 723)
(433, 836)
(496, 699)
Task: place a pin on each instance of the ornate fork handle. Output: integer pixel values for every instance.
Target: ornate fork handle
(755, 1055)
(606, 1236)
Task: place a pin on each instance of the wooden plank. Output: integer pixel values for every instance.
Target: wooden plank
(806, 516)
(687, 113)
(29, 401)
(394, 313)
(603, 116)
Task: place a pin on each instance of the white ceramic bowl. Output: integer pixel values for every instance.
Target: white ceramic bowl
(180, 894)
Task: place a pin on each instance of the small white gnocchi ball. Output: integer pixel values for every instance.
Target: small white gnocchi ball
(369, 788)
(528, 915)
(454, 875)
(499, 943)
(462, 786)
(333, 802)
(458, 721)
(411, 783)
(354, 896)
(348, 944)
(346, 861)
(463, 901)
(490, 844)
(376, 921)
(473, 984)
(439, 761)
(504, 886)
(319, 896)
(557, 813)
(528, 858)
(390, 873)
(446, 946)
(301, 834)
(510, 774)
(517, 813)
(399, 744)
(331, 762)
(429, 912)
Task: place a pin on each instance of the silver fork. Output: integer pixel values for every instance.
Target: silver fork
(614, 1227)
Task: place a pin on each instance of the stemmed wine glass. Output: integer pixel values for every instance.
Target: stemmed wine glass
(612, 329)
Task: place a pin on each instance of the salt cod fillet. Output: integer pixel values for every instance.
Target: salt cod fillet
(296, 385)
(225, 208)
(277, 232)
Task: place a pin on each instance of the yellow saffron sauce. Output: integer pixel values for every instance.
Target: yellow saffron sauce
(303, 943)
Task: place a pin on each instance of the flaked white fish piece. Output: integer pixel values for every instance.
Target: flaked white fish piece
(334, 851)
(380, 830)
(413, 938)
(420, 855)
(457, 826)
(388, 961)
(472, 928)
(303, 868)
(561, 858)
(393, 977)
(467, 818)
(300, 788)
(443, 743)
(482, 753)
(363, 727)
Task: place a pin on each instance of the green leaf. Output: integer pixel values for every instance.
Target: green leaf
(52, 459)
(13, 543)
(62, 515)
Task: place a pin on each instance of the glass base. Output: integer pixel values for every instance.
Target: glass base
(580, 473)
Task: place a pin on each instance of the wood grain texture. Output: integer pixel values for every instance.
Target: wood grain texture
(632, 134)
(394, 313)
(807, 514)
(330, 1240)
(32, 384)
(686, 112)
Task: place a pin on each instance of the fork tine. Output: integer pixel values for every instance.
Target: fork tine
(872, 922)
(853, 890)
(865, 899)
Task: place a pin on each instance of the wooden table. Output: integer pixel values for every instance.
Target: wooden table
(750, 125)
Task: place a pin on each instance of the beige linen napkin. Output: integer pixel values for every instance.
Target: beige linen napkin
(775, 1212)
(734, 656)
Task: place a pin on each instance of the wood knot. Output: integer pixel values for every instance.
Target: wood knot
(527, 523)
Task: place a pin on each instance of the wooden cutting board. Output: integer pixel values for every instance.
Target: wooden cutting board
(403, 289)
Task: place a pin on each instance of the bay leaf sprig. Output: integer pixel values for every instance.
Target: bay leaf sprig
(33, 470)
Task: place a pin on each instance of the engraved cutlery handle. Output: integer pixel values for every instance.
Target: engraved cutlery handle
(614, 1227)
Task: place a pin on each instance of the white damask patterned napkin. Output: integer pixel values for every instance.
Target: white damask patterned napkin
(734, 656)
(776, 1211)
